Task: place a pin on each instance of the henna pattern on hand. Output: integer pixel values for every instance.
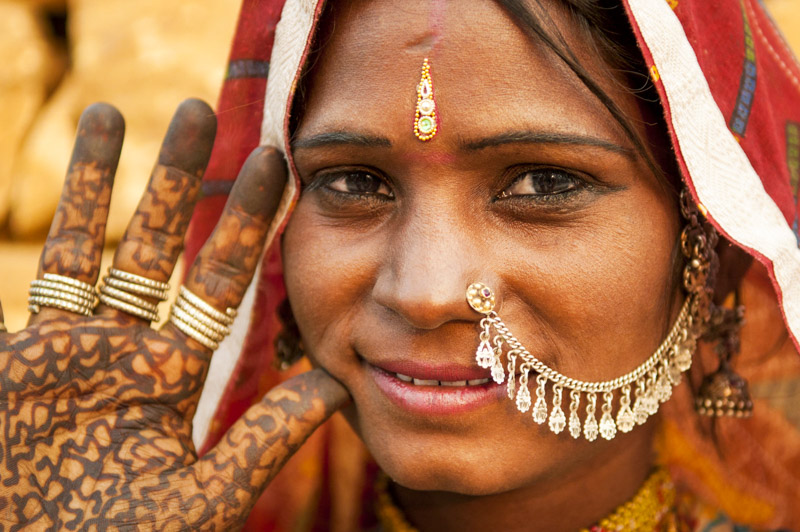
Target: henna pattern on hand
(95, 412)
(154, 238)
(225, 265)
(95, 423)
(75, 241)
(238, 239)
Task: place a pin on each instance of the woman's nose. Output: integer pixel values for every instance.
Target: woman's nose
(426, 271)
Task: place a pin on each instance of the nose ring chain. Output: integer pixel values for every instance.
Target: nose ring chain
(653, 379)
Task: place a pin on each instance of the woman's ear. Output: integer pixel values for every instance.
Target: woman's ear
(733, 265)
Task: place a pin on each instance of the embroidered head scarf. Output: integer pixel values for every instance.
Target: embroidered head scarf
(730, 90)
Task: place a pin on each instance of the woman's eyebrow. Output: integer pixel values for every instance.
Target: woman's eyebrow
(342, 138)
(535, 137)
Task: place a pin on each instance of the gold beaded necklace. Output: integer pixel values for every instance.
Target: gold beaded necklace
(651, 509)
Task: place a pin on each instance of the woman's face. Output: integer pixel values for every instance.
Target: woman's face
(530, 186)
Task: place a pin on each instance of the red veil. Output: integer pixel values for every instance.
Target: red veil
(730, 89)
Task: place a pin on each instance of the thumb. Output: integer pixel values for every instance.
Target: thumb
(255, 448)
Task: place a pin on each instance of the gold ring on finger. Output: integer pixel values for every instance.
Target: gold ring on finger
(35, 303)
(191, 297)
(121, 290)
(61, 292)
(199, 320)
(136, 288)
(128, 308)
(206, 320)
(69, 281)
(190, 331)
(66, 288)
(137, 279)
(128, 298)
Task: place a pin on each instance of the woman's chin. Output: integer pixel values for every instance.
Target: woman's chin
(475, 456)
(447, 468)
(459, 478)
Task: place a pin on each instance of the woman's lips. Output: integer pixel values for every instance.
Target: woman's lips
(436, 399)
(422, 371)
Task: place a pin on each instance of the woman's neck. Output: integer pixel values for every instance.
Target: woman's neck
(568, 503)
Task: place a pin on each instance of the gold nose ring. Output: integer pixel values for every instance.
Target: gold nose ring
(654, 379)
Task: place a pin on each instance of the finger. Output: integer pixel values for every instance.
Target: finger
(225, 265)
(255, 448)
(154, 237)
(75, 242)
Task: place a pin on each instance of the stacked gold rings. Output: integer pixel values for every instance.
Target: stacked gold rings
(122, 290)
(61, 292)
(201, 321)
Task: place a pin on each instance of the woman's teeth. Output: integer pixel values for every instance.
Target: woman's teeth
(423, 382)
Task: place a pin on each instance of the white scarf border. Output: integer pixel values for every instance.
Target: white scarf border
(292, 40)
(722, 176)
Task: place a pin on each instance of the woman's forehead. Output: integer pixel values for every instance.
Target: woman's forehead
(487, 73)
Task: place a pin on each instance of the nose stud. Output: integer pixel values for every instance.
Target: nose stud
(481, 298)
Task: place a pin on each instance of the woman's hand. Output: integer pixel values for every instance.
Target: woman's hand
(95, 412)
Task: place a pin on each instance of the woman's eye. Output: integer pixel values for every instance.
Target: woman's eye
(359, 184)
(542, 182)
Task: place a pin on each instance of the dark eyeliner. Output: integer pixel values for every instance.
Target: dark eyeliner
(578, 185)
(321, 182)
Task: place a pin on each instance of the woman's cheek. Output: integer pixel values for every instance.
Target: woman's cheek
(327, 276)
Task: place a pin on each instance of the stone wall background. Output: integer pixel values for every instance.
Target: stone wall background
(145, 57)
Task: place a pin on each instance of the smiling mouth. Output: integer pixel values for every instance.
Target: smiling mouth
(427, 382)
(435, 390)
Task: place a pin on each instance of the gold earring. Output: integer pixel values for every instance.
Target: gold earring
(724, 393)
(425, 123)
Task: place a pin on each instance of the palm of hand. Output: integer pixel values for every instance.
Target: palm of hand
(93, 403)
(95, 412)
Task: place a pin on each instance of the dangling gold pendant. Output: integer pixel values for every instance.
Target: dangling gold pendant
(425, 125)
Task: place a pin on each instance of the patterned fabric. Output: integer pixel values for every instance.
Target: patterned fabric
(730, 96)
(238, 111)
(749, 469)
(731, 92)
